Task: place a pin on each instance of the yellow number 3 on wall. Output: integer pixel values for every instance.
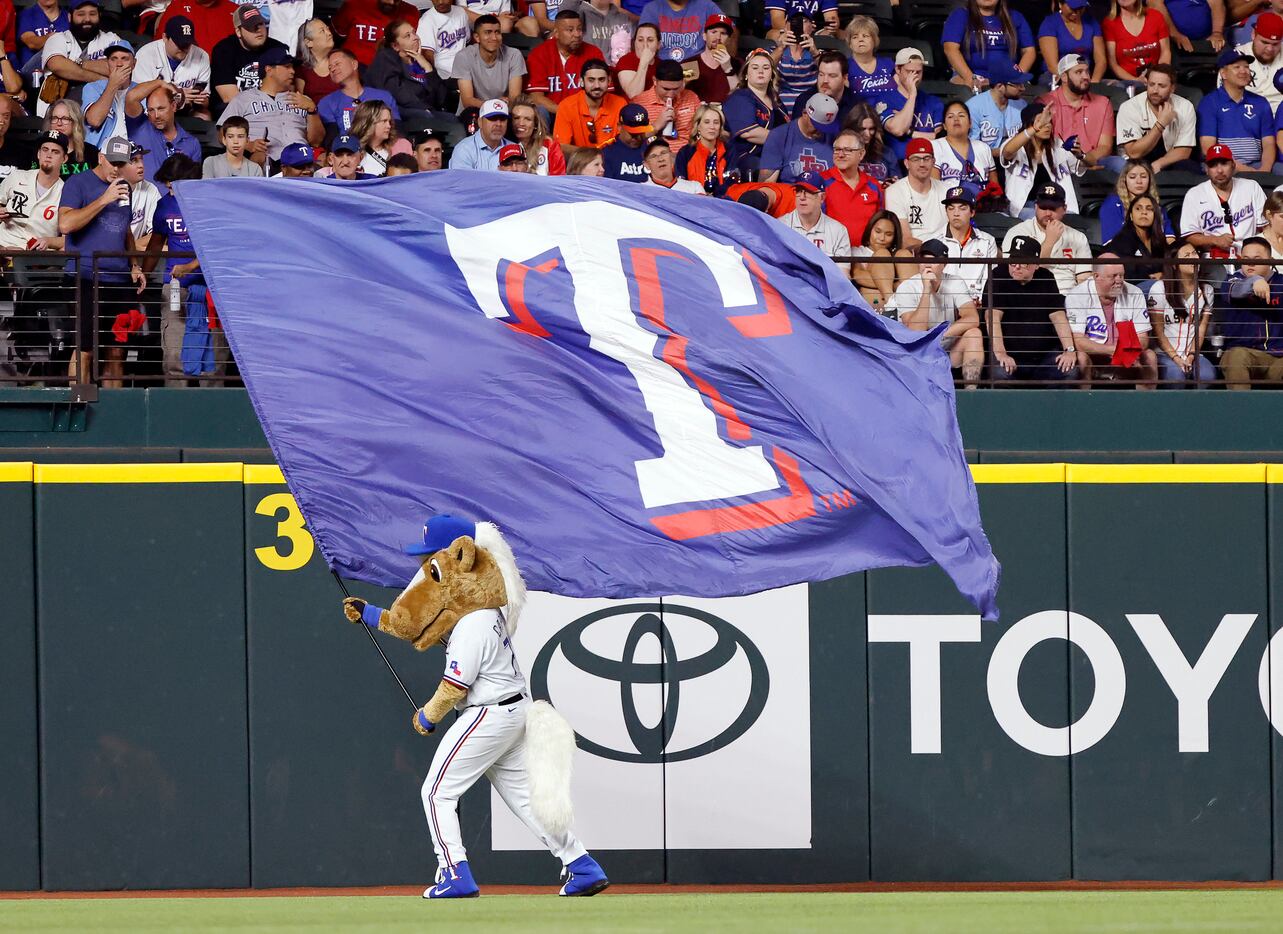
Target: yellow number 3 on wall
(290, 528)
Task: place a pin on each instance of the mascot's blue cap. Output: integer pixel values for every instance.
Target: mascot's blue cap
(439, 532)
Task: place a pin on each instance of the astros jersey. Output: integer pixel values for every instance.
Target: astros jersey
(1239, 125)
(479, 659)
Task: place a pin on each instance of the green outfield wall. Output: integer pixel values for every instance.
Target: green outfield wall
(182, 704)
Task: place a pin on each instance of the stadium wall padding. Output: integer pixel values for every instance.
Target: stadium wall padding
(182, 705)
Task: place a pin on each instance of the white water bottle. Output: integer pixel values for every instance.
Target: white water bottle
(175, 296)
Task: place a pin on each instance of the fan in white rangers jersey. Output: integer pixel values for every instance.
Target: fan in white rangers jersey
(1219, 214)
(29, 198)
(468, 595)
(176, 58)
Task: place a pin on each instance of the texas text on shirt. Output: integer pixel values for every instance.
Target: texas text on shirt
(928, 115)
(480, 660)
(1203, 211)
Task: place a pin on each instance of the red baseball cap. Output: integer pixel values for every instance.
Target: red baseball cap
(509, 152)
(1219, 153)
(919, 146)
(721, 19)
(1269, 25)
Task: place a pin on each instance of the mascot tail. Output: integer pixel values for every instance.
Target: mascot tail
(550, 747)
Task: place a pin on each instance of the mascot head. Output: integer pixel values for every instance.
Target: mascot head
(467, 566)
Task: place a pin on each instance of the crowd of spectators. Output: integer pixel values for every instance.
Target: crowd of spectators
(989, 172)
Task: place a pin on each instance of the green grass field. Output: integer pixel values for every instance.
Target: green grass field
(885, 913)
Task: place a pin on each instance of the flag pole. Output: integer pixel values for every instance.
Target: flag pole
(375, 642)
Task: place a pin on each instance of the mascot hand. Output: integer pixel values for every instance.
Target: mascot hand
(352, 607)
(422, 725)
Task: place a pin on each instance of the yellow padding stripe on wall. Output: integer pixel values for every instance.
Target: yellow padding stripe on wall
(263, 473)
(1166, 473)
(16, 473)
(1018, 473)
(22, 472)
(139, 473)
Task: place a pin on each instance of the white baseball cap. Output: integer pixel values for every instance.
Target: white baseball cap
(495, 107)
(1072, 60)
(908, 54)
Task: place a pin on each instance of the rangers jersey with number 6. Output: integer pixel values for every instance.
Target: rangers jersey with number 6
(480, 660)
(32, 213)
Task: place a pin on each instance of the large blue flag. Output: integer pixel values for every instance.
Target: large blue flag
(650, 393)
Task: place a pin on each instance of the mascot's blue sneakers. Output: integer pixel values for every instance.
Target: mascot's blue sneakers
(458, 884)
(583, 877)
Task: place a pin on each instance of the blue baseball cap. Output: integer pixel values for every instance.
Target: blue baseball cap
(1001, 70)
(1076, 4)
(959, 194)
(296, 155)
(346, 143)
(1230, 56)
(811, 181)
(439, 532)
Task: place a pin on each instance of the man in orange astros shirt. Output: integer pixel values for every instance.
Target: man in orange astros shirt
(590, 116)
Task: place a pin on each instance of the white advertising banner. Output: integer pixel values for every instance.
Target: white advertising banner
(693, 718)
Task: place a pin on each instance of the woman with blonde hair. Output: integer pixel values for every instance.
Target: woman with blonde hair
(703, 159)
(586, 161)
(752, 110)
(373, 125)
(1136, 179)
(868, 72)
(543, 153)
(65, 116)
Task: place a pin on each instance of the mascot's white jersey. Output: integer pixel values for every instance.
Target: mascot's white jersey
(479, 659)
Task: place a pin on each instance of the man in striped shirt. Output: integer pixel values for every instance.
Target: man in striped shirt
(1235, 117)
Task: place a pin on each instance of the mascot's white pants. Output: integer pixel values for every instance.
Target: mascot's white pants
(489, 741)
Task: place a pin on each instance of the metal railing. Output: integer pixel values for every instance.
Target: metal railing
(1154, 367)
(64, 325)
(48, 309)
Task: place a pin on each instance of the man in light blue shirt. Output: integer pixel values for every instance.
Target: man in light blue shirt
(481, 149)
(995, 111)
(104, 100)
